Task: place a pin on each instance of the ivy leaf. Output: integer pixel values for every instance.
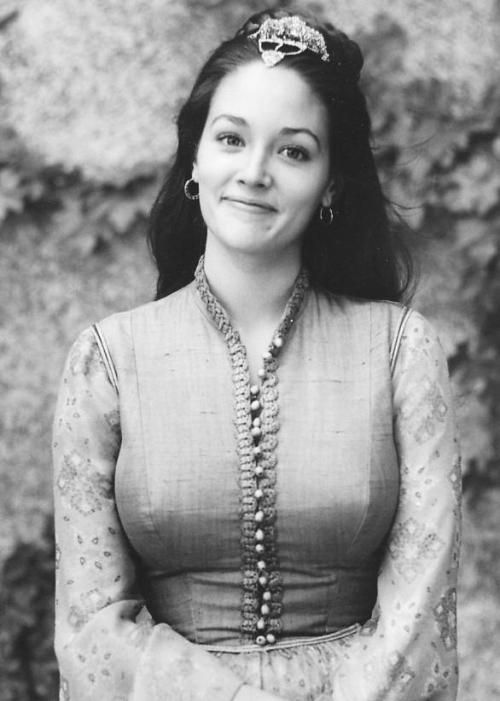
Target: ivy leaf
(70, 218)
(476, 440)
(11, 195)
(477, 240)
(122, 215)
(474, 186)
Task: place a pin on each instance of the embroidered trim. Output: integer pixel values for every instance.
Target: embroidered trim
(393, 354)
(249, 461)
(106, 356)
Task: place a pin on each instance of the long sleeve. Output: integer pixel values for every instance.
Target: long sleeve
(407, 651)
(107, 645)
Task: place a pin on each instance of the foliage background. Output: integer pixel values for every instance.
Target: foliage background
(87, 96)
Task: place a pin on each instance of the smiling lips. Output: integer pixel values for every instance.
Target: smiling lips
(251, 204)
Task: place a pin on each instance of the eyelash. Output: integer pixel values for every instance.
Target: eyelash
(224, 139)
(300, 153)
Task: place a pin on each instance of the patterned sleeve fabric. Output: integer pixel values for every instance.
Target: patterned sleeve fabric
(106, 643)
(407, 651)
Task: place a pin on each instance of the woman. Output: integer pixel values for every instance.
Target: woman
(256, 475)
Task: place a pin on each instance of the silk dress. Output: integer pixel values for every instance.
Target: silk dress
(299, 535)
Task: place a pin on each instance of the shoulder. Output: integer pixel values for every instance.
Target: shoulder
(419, 342)
(84, 357)
(378, 311)
(360, 307)
(381, 317)
(111, 342)
(120, 327)
(396, 326)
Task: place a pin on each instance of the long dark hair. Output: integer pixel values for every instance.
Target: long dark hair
(359, 254)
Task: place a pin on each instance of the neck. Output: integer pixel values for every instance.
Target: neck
(254, 290)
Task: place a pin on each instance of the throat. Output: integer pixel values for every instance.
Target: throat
(257, 342)
(253, 292)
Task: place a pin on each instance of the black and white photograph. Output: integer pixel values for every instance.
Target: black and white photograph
(249, 350)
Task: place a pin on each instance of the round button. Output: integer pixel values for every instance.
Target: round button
(261, 624)
(270, 638)
(254, 389)
(258, 494)
(267, 355)
(261, 565)
(278, 342)
(260, 640)
(263, 581)
(265, 610)
(259, 548)
(259, 534)
(257, 451)
(256, 432)
(259, 516)
(256, 421)
(266, 596)
(259, 471)
(261, 373)
(255, 405)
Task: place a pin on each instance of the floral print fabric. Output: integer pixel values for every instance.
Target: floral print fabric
(107, 644)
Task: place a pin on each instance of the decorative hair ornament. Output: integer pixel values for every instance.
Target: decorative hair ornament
(288, 36)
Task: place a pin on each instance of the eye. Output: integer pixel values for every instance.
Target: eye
(231, 140)
(295, 153)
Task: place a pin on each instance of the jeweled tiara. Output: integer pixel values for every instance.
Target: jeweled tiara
(288, 36)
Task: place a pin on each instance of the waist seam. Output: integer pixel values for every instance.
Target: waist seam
(285, 644)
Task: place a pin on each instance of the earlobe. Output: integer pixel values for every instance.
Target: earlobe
(194, 174)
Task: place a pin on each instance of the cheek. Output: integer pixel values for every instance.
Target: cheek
(212, 173)
(306, 197)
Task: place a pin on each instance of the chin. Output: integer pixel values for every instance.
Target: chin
(246, 238)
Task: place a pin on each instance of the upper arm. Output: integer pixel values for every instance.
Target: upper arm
(94, 563)
(408, 649)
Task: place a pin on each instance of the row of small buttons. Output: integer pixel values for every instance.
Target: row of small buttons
(262, 638)
(261, 587)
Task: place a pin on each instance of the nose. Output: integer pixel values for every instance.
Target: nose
(254, 171)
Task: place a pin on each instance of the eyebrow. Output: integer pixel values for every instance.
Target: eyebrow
(299, 130)
(285, 131)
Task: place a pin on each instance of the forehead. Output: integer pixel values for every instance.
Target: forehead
(279, 95)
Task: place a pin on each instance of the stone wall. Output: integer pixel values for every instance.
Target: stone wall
(95, 86)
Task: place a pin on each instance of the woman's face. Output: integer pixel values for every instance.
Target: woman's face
(262, 163)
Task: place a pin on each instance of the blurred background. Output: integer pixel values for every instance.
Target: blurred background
(88, 96)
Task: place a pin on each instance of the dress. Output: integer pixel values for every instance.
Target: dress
(300, 536)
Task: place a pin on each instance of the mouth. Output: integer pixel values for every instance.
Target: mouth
(248, 203)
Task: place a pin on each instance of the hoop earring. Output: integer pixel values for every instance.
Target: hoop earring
(326, 215)
(191, 195)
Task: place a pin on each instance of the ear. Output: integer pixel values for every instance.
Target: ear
(332, 191)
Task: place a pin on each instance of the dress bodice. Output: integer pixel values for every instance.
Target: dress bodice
(185, 481)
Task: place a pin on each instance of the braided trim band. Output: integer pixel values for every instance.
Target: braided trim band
(251, 463)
